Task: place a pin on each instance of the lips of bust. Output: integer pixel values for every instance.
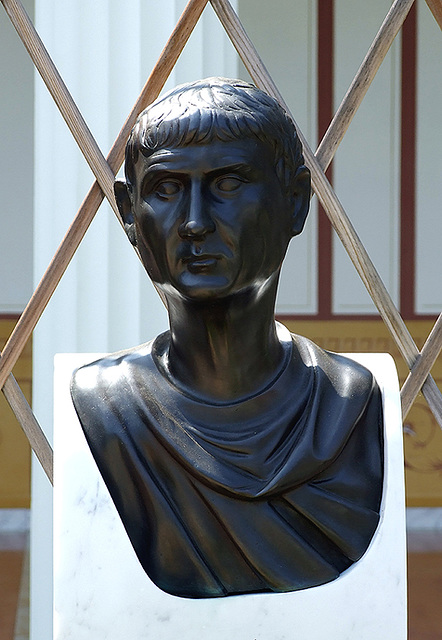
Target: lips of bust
(198, 262)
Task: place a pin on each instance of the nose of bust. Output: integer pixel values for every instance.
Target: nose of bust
(197, 221)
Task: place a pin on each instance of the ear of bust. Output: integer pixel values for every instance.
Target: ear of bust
(125, 208)
(301, 197)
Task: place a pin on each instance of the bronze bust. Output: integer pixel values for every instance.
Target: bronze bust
(241, 458)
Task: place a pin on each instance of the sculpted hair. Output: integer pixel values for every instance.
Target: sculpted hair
(216, 109)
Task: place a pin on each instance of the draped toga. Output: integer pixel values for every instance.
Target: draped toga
(277, 492)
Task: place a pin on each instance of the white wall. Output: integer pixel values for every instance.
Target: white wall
(16, 167)
(366, 173)
(429, 164)
(284, 33)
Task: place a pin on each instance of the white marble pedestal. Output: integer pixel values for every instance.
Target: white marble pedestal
(102, 593)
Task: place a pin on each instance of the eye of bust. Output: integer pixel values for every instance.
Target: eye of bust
(229, 183)
(167, 188)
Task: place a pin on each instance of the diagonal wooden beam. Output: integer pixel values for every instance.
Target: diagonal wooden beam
(436, 9)
(422, 367)
(32, 313)
(333, 207)
(30, 426)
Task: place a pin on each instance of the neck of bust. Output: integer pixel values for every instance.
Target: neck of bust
(224, 349)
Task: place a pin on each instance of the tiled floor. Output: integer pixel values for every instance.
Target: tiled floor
(424, 585)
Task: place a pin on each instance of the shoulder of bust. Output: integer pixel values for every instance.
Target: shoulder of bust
(107, 370)
(345, 374)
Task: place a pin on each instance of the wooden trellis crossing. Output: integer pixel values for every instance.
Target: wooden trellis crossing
(104, 169)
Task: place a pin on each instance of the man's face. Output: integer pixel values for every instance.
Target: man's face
(210, 220)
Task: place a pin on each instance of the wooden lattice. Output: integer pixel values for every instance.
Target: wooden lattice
(104, 169)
